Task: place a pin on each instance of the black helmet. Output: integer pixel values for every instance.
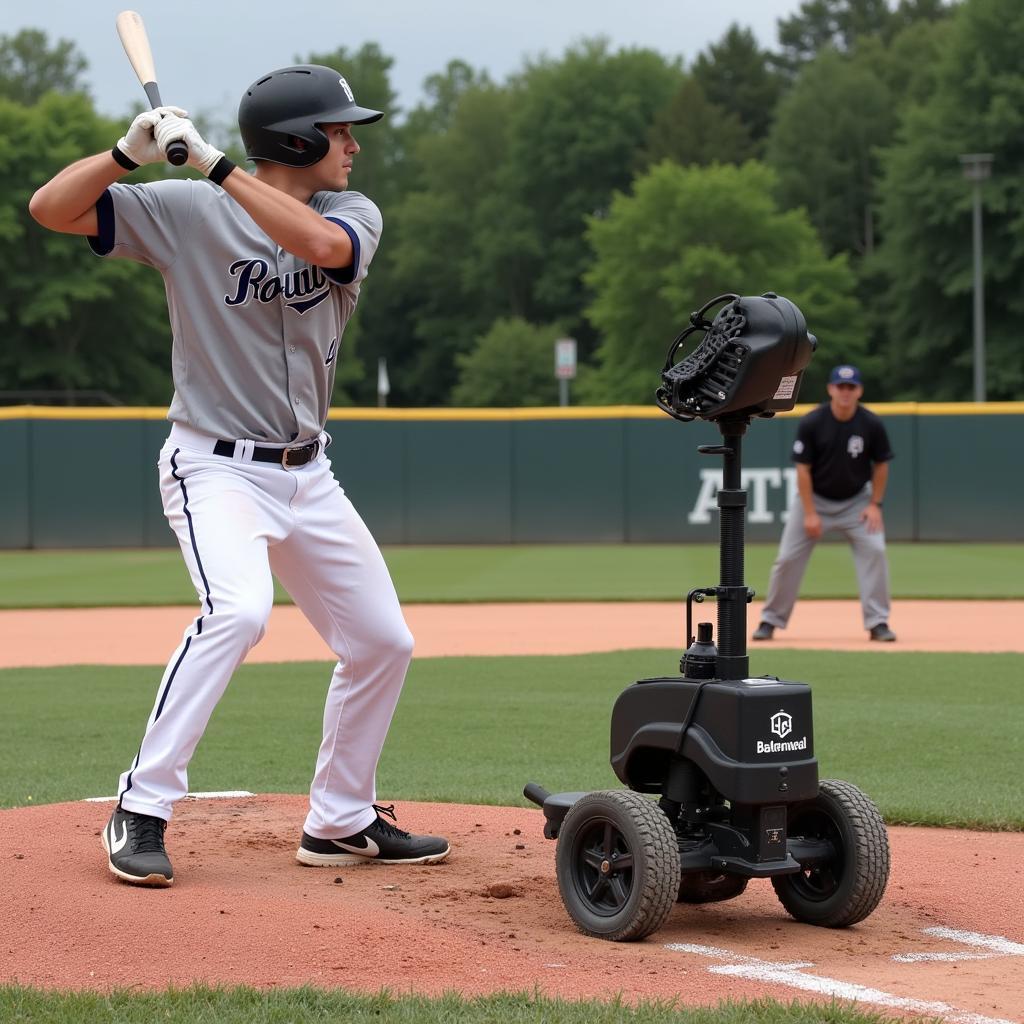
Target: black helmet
(292, 104)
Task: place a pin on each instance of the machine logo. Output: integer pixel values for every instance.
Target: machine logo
(782, 726)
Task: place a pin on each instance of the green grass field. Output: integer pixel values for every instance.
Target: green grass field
(933, 738)
(599, 572)
(200, 1005)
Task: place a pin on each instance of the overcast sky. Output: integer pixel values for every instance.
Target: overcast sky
(208, 51)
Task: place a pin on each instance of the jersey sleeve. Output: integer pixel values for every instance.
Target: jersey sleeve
(803, 443)
(361, 219)
(146, 223)
(881, 449)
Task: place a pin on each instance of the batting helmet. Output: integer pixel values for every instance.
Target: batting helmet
(291, 104)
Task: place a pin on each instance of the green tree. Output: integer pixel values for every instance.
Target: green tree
(691, 129)
(738, 76)
(511, 365)
(493, 226)
(71, 321)
(574, 126)
(823, 147)
(977, 106)
(844, 24)
(687, 234)
(829, 24)
(30, 67)
(443, 91)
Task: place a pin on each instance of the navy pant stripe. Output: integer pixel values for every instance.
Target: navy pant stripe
(188, 640)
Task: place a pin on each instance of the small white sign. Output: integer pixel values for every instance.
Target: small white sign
(786, 387)
(565, 358)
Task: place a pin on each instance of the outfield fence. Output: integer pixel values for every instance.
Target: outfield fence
(84, 478)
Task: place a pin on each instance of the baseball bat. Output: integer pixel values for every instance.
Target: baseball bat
(136, 45)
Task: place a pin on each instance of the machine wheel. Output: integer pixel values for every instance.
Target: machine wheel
(617, 862)
(849, 886)
(709, 887)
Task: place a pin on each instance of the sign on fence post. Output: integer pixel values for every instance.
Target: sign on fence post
(565, 367)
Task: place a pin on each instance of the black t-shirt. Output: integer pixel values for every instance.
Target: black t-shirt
(840, 454)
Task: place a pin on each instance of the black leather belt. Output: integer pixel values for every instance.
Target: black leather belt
(287, 457)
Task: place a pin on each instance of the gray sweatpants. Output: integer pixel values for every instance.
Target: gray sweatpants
(795, 551)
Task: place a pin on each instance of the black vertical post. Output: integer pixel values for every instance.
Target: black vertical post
(733, 662)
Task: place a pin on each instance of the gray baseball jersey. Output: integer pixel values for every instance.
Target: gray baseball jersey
(256, 330)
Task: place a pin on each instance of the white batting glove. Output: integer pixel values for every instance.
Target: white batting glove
(138, 143)
(201, 155)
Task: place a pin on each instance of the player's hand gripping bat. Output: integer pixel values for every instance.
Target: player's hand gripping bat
(136, 45)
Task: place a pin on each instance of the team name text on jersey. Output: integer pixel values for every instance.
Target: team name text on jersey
(254, 283)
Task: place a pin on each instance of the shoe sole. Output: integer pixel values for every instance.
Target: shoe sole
(153, 881)
(335, 860)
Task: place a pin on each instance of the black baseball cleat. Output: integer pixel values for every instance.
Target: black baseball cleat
(765, 631)
(380, 841)
(882, 632)
(135, 849)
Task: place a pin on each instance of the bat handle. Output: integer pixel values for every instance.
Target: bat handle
(177, 153)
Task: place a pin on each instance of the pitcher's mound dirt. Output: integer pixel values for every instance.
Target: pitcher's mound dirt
(489, 919)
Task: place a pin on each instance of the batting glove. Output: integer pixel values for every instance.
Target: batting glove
(138, 145)
(201, 155)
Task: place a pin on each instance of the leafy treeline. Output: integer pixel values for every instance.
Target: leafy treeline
(603, 195)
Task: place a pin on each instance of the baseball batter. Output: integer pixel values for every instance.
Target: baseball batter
(262, 274)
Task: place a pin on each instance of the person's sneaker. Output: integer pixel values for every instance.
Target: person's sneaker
(380, 841)
(135, 849)
(765, 631)
(882, 632)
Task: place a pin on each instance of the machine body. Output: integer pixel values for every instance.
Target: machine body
(729, 756)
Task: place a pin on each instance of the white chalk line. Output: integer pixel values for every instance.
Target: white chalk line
(790, 974)
(996, 945)
(227, 794)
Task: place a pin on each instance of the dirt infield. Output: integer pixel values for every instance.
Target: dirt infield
(142, 636)
(947, 941)
(489, 919)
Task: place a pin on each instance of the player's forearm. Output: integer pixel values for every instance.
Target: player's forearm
(805, 487)
(293, 225)
(68, 196)
(879, 481)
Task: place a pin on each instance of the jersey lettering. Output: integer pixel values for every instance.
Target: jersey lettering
(253, 283)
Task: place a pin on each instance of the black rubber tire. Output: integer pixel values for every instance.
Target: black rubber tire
(633, 895)
(850, 886)
(708, 887)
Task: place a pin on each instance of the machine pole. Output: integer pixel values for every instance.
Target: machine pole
(733, 662)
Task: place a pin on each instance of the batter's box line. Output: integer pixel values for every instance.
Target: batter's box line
(791, 974)
(226, 794)
(996, 945)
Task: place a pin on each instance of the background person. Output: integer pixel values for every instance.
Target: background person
(842, 456)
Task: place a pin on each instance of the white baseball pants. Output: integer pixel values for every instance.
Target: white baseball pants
(795, 549)
(238, 521)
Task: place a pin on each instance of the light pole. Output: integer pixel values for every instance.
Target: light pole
(977, 168)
